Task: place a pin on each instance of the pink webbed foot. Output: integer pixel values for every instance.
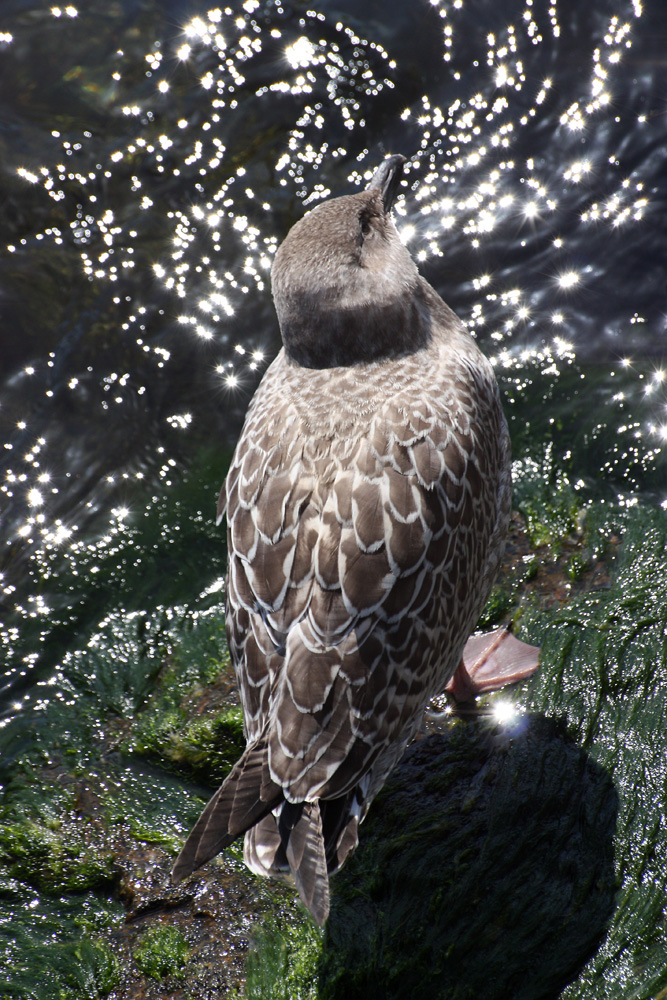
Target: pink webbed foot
(492, 661)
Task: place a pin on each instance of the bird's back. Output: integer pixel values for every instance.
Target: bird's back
(366, 511)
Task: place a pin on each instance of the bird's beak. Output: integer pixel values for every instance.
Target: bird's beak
(386, 178)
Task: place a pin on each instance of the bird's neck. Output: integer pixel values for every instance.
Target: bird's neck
(320, 332)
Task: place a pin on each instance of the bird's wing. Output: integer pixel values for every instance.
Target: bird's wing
(348, 571)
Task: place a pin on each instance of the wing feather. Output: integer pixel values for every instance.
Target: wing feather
(350, 558)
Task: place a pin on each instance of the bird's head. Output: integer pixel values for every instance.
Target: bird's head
(345, 288)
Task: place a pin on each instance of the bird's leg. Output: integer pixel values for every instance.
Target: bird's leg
(491, 661)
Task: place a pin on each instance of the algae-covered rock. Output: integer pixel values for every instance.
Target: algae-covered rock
(54, 947)
(161, 952)
(484, 869)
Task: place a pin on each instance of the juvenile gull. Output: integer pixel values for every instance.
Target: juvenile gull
(367, 505)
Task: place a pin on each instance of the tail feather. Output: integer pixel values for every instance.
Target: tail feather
(288, 821)
(294, 836)
(307, 860)
(235, 807)
(263, 850)
(340, 823)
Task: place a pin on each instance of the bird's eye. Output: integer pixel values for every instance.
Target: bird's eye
(365, 227)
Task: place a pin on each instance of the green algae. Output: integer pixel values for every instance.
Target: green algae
(204, 748)
(499, 603)
(162, 952)
(53, 947)
(506, 598)
(542, 493)
(54, 855)
(72, 803)
(147, 804)
(84, 969)
(283, 961)
(576, 566)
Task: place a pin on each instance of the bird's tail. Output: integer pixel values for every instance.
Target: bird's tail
(309, 839)
(247, 795)
(300, 828)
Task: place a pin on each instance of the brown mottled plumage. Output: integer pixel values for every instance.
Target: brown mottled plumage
(367, 505)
